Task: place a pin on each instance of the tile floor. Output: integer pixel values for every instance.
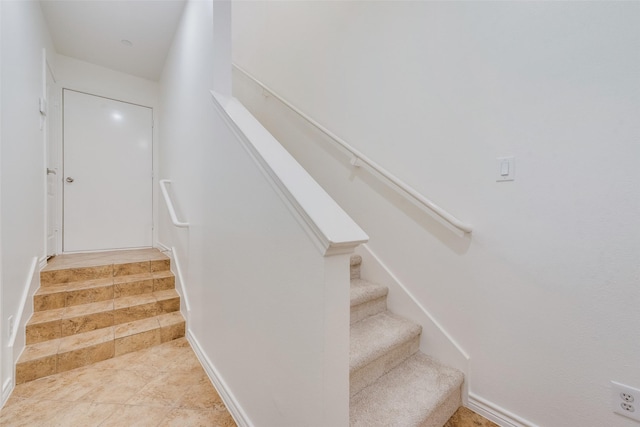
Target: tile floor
(467, 418)
(160, 386)
(163, 385)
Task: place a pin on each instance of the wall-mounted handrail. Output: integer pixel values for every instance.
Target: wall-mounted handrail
(172, 212)
(360, 159)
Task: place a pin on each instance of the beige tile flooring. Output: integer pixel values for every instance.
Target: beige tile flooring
(163, 385)
(92, 259)
(467, 418)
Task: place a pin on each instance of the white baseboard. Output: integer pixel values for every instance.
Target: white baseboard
(30, 286)
(495, 413)
(162, 247)
(435, 341)
(7, 388)
(227, 397)
(185, 306)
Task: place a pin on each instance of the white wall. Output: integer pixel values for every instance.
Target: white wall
(72, 73)
(22, 172)
(2, 352)
(544, 295)
(265, 309)
(82, 76)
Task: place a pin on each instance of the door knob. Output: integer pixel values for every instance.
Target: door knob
(69, 179)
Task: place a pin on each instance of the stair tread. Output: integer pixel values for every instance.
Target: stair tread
(73, 286)
(46, 316)
(136, 327)
(166, 294)
(363, 291)
(66, 344)
(407, 395)
(133, 300)
(95, 259)
(162, 274)
(169, 319)
(86, 339)
(132, 278)
(376, 335)
(68, 268)
(87, 309)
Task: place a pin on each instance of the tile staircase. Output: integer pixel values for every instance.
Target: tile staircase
(92, 307)
(391, 381)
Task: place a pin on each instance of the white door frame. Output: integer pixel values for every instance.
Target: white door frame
(52, 129)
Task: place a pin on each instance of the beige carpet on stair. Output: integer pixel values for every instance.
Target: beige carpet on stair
(419, 378)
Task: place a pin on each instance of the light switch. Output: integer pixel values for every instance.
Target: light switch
(506, 169)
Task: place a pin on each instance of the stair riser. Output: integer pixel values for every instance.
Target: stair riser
(85, 356)
(56, 277)
(368, 374)
(50, 301)
(354, 263)
(65, 361)
(369, 308)
(136, 287)
(445, 410)
(40, 332)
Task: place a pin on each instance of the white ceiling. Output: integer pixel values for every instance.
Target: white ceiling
(92, 30)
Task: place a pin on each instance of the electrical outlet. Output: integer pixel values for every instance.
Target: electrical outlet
(625, 400)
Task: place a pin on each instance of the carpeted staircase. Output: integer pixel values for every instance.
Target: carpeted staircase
(113, 303)
(391, 382)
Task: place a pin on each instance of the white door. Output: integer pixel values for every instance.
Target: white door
(107, 174)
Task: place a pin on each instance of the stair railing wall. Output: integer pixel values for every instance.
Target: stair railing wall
(359, 159)
(296, 289)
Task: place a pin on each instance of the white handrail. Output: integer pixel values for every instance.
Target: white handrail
(359, 158)
(172, 212)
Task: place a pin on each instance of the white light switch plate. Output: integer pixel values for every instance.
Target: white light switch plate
(506, 168)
